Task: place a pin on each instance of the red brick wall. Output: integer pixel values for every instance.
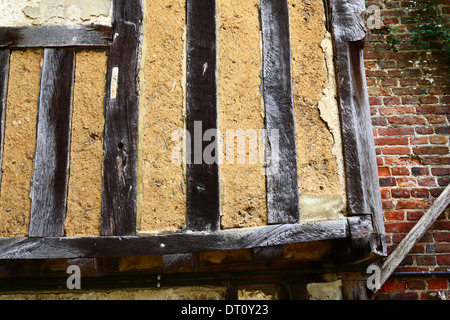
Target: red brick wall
(409, 94)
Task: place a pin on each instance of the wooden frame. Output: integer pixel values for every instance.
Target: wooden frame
(118, 228)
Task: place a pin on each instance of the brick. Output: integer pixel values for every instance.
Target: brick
(441, 225)
(410, 100)
(418, 140)
(436, 192)
(442, 130)
(415, 284)
(400, 193)
(431, 109)
(375, 73)
(439, 90)
(441, 236)
(398, 237)
(375, 101)
(413, 204)
(436, 119)
(404, 227)
(395, 131)
(385, 194)
(387, 64)
(443, 182)
(440, 171)
(406, 182)
(391, 101)
(391, 141)
(438, 140)
(442, 247)
(394, 215)
(426, 260)
(426, 238)
(407, 82)
(409, 91)
(393, 285)
(420, 193)
(383, 172)
(424, 130)
(379, 121)
(396, 150)
(436, 160)
(416, 171)
(430, 150)
(389, 111)
(402, 55)
(406, 120)
(387, 205)
(429, 100)
(373, 55)
(414, 215)
(399, 171)
(427, 182)
(402, 161)
(443, 259)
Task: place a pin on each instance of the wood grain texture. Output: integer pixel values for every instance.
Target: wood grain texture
(203, 212)
(121, 121)
(359, 150)
(55, 36)
(5, 55)
(419, 229)
(51, 169)
(281, 151)
(174, 243)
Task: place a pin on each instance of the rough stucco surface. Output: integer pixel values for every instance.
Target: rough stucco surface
(162, 181)
(50, 12)
(20, 142)
(84, 199)
(321, 184)
(243, 198)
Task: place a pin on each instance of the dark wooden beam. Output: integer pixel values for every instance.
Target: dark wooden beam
(281, 150)
(121, 121)
(55, 36)
(363, 190)
(203, 212)
(5, 55)
(51, 164)
(173, 243)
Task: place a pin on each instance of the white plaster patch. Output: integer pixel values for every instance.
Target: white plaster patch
(50, 12)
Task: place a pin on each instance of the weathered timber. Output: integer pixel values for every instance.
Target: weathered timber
(173, 243)
(55, 36)
(121, 121)
(281, 151)
(359, 151)
(5, 55)
(202, 170)
(419, 229)
(51, 165)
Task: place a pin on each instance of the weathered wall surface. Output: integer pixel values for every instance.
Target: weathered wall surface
(162, 182)
(49, 12)
(320, 160)
(20, 142)
(243, 198)
(84, 200)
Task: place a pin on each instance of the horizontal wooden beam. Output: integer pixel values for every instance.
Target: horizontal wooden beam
(172, 243)
(56, 36)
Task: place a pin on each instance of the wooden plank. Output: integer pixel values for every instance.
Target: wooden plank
(55, 36)
(121, 121)
(5, 55)
(281, 150)
(203, 212)
(419, 229)
(51, 168)
(174, 243)
(359, 151)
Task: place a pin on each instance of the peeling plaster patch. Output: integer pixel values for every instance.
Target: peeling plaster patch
(325, 290)
(329, 112)
(49, 12)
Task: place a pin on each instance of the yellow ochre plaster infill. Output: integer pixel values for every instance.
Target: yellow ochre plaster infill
(84, 200)
(243, 192)
(20, 142)
(162, 199)
(319, 152)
